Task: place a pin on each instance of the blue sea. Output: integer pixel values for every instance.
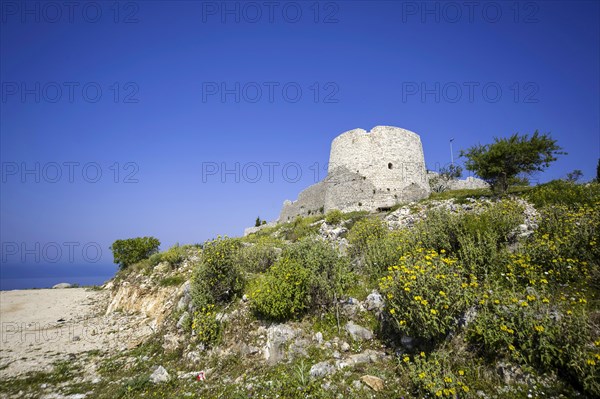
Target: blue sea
(20, 277)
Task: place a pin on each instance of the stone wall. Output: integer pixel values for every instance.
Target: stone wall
(468, 183)
(439, 183)
(309, 202)
(367, 171)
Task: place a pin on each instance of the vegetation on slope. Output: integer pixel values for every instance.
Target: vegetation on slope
(473, 305)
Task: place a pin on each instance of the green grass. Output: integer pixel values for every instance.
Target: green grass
(462, 195)
(172, 281)
(30, 383)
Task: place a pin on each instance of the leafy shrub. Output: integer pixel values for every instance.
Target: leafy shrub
(425, 294)
(206, 326)
(328, 268)
(334, 217)
(537, 312)
(500, 218)
(299, 228)
(365, 231)
(155, 259)
(175, 255)
(217, 279)
(438, 230)
(537, 329)
(565, 246)
(257, 258)
(479, 252)
(353, 217)
(132, 250)
(565, 193)
(382, 253)
(437, 374)
(309, 274)
(475, 238)
(283, 293)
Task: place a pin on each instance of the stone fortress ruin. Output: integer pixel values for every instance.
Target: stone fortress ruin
(367, 171)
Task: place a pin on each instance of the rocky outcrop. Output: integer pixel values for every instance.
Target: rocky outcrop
(277, 338)
(412, 213)
(375, 383)
(62, 285)
(160, 375)
(439, 182)
(357, 332)
(146, 294)
(468, 183)
(153, 302)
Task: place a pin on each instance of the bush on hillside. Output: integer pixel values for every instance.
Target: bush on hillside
(565, 246)
(175, 255)
(364, 232)
(308, 275)
(565, 193)
(539, 328)
(386, 251)
(334, 217)
(206, 326)
(425, 293)
(217, 278)
(133, 250)
(439, 374)
(476, 238)
(299, 228)
(257, 258)
(283, 293)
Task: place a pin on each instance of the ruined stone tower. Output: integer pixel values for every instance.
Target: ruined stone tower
(367, 171)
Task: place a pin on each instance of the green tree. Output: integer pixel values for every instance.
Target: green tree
(132, 250)
(451, 172)
(257, 222)
(574, 175)
(505, 159)
(441, 181)
(598, 172)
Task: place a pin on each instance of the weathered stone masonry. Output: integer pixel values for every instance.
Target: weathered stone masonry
(367, 171)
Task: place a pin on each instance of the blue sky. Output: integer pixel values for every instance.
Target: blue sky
(117, 110)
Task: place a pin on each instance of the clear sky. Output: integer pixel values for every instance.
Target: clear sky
(118, 118)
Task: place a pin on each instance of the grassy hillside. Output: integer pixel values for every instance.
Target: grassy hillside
(467, 296)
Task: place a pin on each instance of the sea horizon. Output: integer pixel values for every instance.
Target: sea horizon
(23, 277)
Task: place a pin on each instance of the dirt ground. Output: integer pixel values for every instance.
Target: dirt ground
(39, 327)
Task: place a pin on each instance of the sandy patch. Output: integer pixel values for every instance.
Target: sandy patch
(39, 327)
